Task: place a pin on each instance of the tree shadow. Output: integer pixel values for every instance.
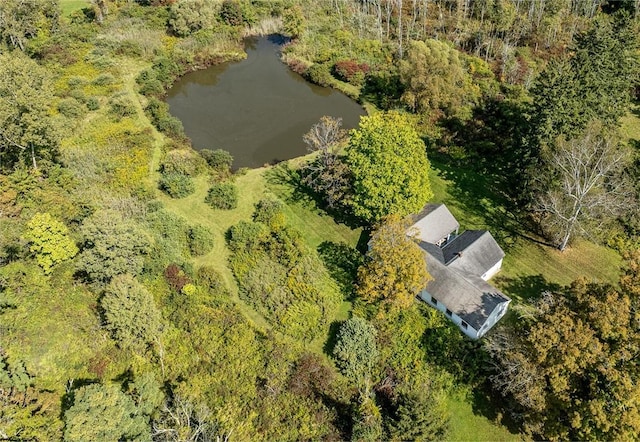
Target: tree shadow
(288, 184)
(342, 262)
(473, 194)
(489, 404)
(527, 287)
(332, 338)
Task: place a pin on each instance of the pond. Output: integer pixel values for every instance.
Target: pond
(257, 108)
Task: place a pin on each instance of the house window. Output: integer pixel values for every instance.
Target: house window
(449, 312)
(434, 301)
(464, 325)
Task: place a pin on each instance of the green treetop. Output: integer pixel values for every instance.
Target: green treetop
(49, 241)
(389, 167)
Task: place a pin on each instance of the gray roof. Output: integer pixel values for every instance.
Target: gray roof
(434, 222)
(473, 252)
(466, 295)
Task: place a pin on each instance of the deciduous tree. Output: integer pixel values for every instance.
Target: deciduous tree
(389, 167)
(21, 20)
(327, 174)
(104, 412)
(394, 271)
(49, 241)
(131, 313)
(112, 246)
(27, 129)
(572, 370)
(582, 181)
(437, 81)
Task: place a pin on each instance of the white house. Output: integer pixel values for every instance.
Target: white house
(460, 266)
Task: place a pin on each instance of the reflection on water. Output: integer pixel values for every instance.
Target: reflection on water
(257, 109)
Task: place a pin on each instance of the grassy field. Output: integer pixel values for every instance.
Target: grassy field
(70, 6)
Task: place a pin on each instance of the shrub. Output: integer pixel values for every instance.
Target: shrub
(189, 16)
(121, 106)
(247, 235)
(71, 108)
(176, 277)
(271, 213)
(104, 80)
(93, 104)
(149, 83)
(319, 73)
(183, 161)
(177, 185)
(158, 112)
(223, 196)
(351, 71)
(219, 159)
(209, 277)
(200, 240)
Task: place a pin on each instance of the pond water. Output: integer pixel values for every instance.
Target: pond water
(257, 109)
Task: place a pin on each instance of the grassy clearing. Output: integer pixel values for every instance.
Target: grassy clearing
(468, 424)
(70, 6)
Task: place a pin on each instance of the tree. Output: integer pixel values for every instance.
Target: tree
(27, 128)
(355, 351)
(389, 167)
(189, 16)
(131, 313)
(112, 246)
(327, 174)
(586, 184)
(418, 416)
(293, 21)
(49, 241)
(21, 20)
(596, 82)
(394, 271)
(436, 80)
(571, 371)
(104, 412)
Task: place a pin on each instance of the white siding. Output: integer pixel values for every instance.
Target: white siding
(469, 331)
(492, 271)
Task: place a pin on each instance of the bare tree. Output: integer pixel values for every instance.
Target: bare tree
(326, 174)
(587, 185)
(182, 421)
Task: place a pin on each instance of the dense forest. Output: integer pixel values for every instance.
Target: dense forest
(151, 291)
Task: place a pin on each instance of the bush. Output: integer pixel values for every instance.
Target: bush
(320, 74)
(200, 240)
(271, 213)
(104, 80)
(351, 71)
(189, 16)
(93, 104)
(209, 277)
(176, 277)
(223, 196)
(158, 112)
(71, 108)
(121, 106)
(183, 161)
(149, 83)
(247, 236)
(177, 185)
(219, 159)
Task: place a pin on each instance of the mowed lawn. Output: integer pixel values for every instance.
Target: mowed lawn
(70, 6)
(530, 266)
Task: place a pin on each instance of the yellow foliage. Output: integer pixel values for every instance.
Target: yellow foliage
(395, 271)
